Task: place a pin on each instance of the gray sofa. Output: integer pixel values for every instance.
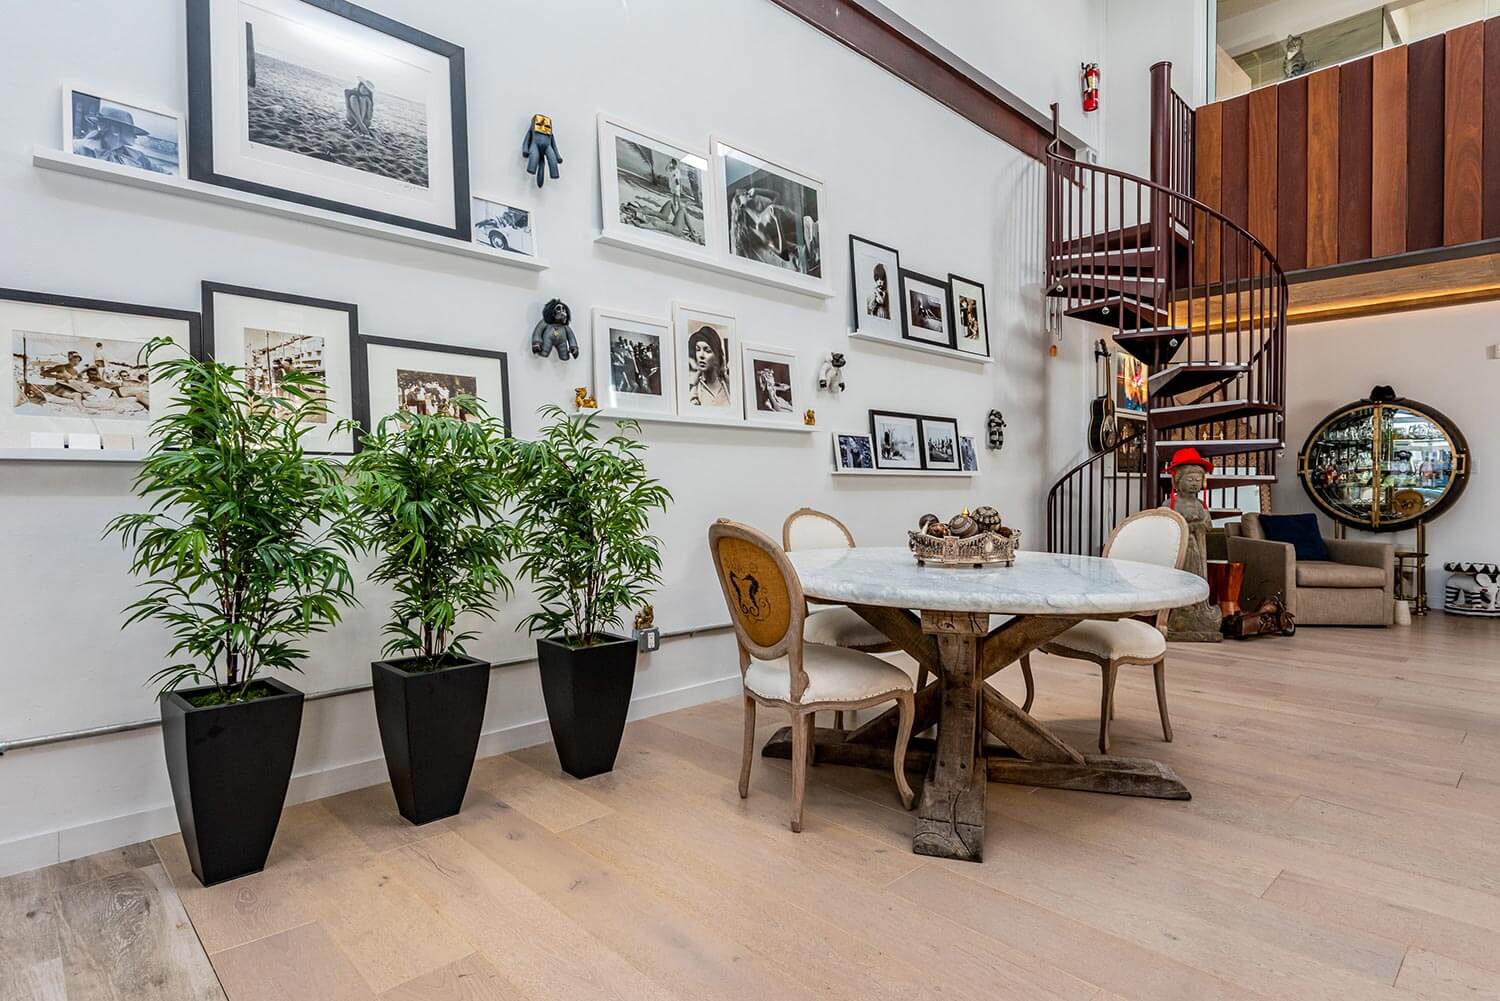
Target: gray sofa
(1357, 587)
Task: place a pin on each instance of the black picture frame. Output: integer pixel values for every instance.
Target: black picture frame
(916, 420)
(922, 423)
(359, 379)
(201, 165)
(449, 349)
(193, 319)
(906, 327)
(984, 306)
(856, 312)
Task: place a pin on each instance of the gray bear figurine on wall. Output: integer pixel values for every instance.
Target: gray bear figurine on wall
(553, 331)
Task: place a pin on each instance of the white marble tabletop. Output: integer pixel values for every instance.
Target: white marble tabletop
(1039, 583)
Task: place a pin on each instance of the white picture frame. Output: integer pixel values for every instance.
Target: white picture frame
(968, 454)
(762, 235)
(773, 385)
(496, 223)
(715, 393)
(615, 373)
(81, 146)
(640, 218)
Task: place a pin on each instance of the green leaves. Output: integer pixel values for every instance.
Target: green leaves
(245, 540)
(429, 496)
(583, 516)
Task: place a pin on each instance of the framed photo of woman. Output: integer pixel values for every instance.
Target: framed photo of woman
(706, 342)
(876, 270)
(772, 388)
(653, 191)
(924, 310)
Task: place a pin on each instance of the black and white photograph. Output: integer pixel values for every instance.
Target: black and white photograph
(325, 103)
(940, 443)
(771, 392)
(653, 190)
(433, 394)
(853, 452)
(707, 346)
(896, 439)
(504, 227)
(634, 366)
(773, 213)
(924, 303)
(877, 273)
(420, 377)
(79, 370)
(971, 322)
(968, 458)
(112, 131)
(268, 335)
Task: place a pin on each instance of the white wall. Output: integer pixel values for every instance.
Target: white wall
(743, 69)
(1439, 357)
(1138, 34)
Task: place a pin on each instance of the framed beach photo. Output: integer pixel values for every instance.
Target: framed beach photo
(924, 310)
(102, 127)
(773, 215)
(970, 318)
(897, 440)
(706, 345)
(876, 274)
(326, 104)
(78, 372)
(853, 452)
(968, 456)
(652, 190)
(428, 379)
(940, 445)
(635, 368)
(772, 384)
(504, 227)
(268, 334)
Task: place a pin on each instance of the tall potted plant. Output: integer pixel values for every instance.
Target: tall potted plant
(429, 494)
(244, 547)
(583, 513)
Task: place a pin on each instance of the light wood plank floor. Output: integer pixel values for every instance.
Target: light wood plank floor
(1343, 842)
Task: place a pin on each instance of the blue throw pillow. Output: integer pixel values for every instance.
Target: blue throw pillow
(1301, 530)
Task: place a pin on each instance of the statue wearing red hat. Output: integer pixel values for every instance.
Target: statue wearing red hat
(1189, 471)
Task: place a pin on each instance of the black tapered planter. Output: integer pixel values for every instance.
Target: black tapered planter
(429, 728)
(588, 694)
(230, 766)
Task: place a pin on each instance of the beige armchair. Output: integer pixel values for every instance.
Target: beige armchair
(1357, 587)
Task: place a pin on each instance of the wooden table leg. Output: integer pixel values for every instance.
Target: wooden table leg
(950, 814)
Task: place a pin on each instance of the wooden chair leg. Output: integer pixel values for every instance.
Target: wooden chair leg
(749, 752)
(922, 673)
(799, 769)
(1030, 684)
(907, 704)
(1160, 670)
(812, 738)
(1106, 707)
(838, 719)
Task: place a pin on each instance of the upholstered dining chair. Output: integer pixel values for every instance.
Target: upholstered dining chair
(780, 669)
(1158, 536)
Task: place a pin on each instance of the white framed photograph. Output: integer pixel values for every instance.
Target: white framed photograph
(968, 456)
(897, 440)
(853, 452)
(79, 375)
(971, 321)
(940, 446)
(924, 310)
(635, 367)
(773, 216)
(418, 377)
(102, 127)
(653, 190)
(507, 228)
(773, 390)
(706, 343)
(876, 274)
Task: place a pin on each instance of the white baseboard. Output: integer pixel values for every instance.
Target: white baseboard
(35, 851)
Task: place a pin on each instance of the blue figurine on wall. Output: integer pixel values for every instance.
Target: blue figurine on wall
(554, 330)
(541, 145)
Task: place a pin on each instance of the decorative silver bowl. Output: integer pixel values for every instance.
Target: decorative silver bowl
(987, 549)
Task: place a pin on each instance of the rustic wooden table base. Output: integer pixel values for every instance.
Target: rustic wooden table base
(961, 651)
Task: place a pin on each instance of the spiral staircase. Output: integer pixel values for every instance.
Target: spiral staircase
(1195, 297)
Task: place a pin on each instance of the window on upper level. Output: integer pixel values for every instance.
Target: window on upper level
(1262, 42)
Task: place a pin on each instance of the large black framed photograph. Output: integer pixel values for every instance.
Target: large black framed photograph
(897, 439)
(79, 375)
(269, 334)
(326, 104)
(924, 310)
(420, 377)
(940, 444)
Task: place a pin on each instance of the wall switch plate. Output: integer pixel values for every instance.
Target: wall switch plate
(648, 640)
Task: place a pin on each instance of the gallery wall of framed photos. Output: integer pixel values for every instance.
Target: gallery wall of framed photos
(442, 318)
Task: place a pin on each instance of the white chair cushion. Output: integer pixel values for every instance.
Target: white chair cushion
(1112, 640)
(833, 675)
(1148, 539)
(841, 626)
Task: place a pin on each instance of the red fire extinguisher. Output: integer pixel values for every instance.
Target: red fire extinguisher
(1090, 86)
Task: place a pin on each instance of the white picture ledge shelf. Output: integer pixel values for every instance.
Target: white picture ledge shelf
(931, 474)
(70, 455)
(725, 422)
(930, 349)
(790, 282)
(67, 163)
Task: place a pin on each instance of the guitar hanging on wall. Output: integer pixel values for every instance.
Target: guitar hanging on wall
(1104, 426)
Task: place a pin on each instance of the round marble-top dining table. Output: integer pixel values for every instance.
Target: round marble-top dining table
(950, 633)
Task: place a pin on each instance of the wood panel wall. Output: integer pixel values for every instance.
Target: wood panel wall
(1395, 152)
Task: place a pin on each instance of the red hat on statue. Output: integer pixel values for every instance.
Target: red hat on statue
(1189, 457)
